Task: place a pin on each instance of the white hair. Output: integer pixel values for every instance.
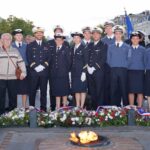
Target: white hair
(6, 34)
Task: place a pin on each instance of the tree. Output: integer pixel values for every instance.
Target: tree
(12, 23)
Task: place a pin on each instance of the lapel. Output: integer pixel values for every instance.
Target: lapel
(23, 46)
(14, 45)
(60, 49)
(36, 44)
(78, 49)
(83, 43)
(98, 44)
(40, 47)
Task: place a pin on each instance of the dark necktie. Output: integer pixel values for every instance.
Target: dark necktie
(19, 45)
(110, 39)
(87, 43)
(57, 49)
(117, 44)
(75, 50)
(39, 43)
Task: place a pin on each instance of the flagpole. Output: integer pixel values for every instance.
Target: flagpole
(128, 24)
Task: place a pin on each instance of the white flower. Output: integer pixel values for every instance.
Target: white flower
(110, 117)
(49, 121)
(102, 113)
(106, 118)
(63, 118)
(21, 115)
(83, 113)
(68, 112)
(42, 123)
(109, 110)
(45, 114)
(72, 119)
(14, 117)
(73, 123)
(93, 112)
(9, 114)
(77, 118)
(53, 116)
(117, 114)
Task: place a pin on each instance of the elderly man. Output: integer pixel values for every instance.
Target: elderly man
(10, 58)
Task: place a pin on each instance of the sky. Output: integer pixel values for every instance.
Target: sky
(71, 14)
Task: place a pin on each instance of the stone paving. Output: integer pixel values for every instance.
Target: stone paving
(117, 143)
(122, 138)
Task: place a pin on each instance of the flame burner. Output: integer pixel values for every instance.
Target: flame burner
(88, 139)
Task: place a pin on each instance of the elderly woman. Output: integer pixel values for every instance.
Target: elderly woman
(9, 59)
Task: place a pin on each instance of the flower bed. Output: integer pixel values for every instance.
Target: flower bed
(17, 117)
(73, 117)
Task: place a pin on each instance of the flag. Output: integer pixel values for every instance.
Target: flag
(128, 24)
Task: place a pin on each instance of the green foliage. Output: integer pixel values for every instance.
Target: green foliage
(12, 22)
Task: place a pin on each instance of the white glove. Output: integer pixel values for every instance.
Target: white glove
(39, 68)
(83, 76)
(91, 70)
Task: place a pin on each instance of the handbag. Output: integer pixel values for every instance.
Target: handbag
(18, 71)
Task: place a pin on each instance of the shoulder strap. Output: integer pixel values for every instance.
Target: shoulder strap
(9, 57)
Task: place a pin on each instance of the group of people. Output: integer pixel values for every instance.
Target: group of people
(108, 69)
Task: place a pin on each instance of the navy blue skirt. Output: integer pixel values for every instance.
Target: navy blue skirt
(77, 86)
(147, 83)
(60, 86)
(136, 81)
(23, 86)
